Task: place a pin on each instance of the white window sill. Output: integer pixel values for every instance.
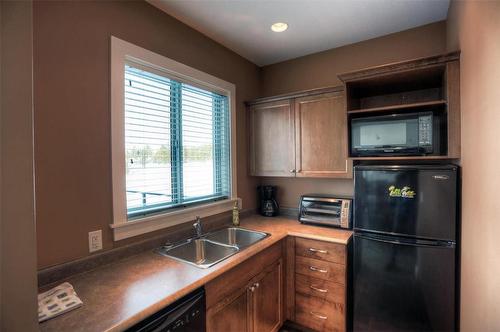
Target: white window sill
(128, 229)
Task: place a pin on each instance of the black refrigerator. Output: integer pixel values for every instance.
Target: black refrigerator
(405, 249)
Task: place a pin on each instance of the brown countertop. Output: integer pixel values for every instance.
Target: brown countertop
(118, 295)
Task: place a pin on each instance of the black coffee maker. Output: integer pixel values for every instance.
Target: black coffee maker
(267, 197)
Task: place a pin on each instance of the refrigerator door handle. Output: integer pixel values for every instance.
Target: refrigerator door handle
(407, 242)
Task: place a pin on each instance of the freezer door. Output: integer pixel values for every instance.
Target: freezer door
(403, 286)
(408, 201)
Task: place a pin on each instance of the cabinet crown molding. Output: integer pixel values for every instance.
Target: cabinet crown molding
(399, 65)
(297, 94)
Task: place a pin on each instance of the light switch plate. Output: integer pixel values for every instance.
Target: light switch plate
(95, 240)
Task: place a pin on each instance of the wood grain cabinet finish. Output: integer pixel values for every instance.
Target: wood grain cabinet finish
(327, 251)
(267, 295)
(241, 275)
(302, 135)
(318, 314)
(233, 314)
(323, 289)
(320, 285)
(249, 297)
(321, 136)
(320, 269)
(272, 146)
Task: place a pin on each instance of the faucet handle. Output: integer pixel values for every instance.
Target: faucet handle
(197, 223)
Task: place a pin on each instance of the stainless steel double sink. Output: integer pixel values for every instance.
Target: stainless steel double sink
(214, 247)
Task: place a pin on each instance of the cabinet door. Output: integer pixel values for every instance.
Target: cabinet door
(231, 314)
(272, 139)
(321, 136)
(268, 299)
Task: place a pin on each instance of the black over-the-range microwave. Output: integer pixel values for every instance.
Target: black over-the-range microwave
(402, 134)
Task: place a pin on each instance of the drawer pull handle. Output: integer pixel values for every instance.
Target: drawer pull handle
(317, 269)
(318, 251)
(318, 315)
(318, 289)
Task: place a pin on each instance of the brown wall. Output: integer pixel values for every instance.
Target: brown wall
(18, 286)
(474, 27)
(72, 119)
(321, 69)
(72, 115)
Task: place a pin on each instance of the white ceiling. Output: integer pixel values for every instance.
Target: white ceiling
(313, 25)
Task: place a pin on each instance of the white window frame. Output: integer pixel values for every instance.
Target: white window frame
(123, 52)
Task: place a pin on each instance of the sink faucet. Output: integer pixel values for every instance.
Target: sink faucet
(197, 227)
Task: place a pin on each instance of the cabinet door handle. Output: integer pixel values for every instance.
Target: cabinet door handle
(318, 315)
(256, 285)
(252, 288)
(318, 251)
(317, 269)
(292, 171)
(318, 289)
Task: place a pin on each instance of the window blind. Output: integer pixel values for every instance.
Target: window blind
(177, 143)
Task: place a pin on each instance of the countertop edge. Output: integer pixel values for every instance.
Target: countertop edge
(277, 233)
(203, 281)
(319, 237)
(235, 261)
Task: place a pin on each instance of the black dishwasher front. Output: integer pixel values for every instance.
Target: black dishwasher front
(186, 314)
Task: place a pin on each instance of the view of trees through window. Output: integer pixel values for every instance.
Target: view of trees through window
(145, 155)
(176, 141)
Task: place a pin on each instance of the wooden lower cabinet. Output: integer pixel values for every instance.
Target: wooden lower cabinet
(320, 285)
(248, 298)
(320, 269)
(319, 314)
(326, 251)
(268, 298)
(231, 315)
(327, 290)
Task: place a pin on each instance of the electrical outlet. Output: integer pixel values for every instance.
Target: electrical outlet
(95, 241)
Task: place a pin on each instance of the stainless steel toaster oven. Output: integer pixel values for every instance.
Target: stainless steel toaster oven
(325, 210)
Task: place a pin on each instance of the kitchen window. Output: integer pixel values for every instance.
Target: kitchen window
(172, 129)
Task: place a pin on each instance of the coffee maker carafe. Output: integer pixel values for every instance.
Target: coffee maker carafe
(267, 197)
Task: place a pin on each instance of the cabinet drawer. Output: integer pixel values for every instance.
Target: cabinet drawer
(320, 269)
(322, 289)
(331, 252)
(318, 314)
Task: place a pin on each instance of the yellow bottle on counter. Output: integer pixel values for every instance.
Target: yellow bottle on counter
(236, 214)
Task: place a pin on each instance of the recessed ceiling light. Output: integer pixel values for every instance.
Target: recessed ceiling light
(279, 27)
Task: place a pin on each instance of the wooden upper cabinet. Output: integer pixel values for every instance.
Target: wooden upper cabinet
(321, 136)
(300, 135)
(272, 151)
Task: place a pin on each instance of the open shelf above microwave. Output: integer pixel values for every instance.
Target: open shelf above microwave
(422, 85)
